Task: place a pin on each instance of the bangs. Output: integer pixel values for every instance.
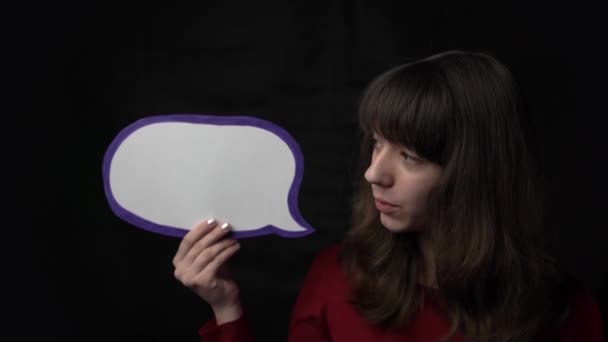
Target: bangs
(410, 105)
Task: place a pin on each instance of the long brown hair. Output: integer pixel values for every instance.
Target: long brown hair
(460, 110)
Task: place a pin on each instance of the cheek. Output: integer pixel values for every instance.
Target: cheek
(414, 195)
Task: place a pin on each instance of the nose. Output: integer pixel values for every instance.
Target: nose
(379, 170)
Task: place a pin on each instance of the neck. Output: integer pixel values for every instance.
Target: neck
(427, 276)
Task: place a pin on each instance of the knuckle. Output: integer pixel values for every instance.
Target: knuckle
(215, 250)
(178, 274)
(206, 254)
(211, 284)
(189, 240)
(190, 282)
(227, 243)
(208, 282)
(220, 258)
(216, 233)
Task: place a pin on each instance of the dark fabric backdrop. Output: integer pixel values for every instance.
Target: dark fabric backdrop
(79, 72)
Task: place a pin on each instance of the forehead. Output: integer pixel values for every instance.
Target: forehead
(378, 136)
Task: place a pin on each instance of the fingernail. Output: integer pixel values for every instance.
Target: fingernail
(225, 226)
(211, 222)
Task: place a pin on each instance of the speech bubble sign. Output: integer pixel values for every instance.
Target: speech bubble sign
(166, 173)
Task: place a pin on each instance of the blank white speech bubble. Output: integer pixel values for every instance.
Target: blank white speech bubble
(166, 173)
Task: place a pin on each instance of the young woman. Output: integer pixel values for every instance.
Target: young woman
(446, 238)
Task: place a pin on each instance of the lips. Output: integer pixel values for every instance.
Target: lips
(384, 206)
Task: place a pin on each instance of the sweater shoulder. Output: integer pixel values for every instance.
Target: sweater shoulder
(326, 266)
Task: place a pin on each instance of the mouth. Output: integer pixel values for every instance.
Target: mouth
(384, 206)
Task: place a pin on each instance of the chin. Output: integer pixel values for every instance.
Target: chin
(395, 224)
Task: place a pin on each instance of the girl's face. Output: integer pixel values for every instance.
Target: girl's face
(400, 182)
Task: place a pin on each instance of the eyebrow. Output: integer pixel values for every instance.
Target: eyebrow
(407, 149)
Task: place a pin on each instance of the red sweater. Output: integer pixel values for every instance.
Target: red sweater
(322, 313)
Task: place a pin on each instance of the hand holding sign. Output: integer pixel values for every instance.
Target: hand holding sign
(200, 264)
(165, 173)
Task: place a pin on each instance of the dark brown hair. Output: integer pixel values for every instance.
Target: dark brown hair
(460, 110)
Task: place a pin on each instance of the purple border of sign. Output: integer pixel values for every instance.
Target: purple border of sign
(209, 120)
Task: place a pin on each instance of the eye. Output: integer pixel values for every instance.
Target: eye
(409, 158)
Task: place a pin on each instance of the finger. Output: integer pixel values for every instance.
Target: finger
(207, 255)
(193, 236)
(207, 240)
(213, 266)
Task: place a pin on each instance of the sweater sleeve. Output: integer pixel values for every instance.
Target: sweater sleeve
(234, 331)
(308, 320)
(585, 321)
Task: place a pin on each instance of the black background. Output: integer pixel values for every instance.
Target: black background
(78, 72)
